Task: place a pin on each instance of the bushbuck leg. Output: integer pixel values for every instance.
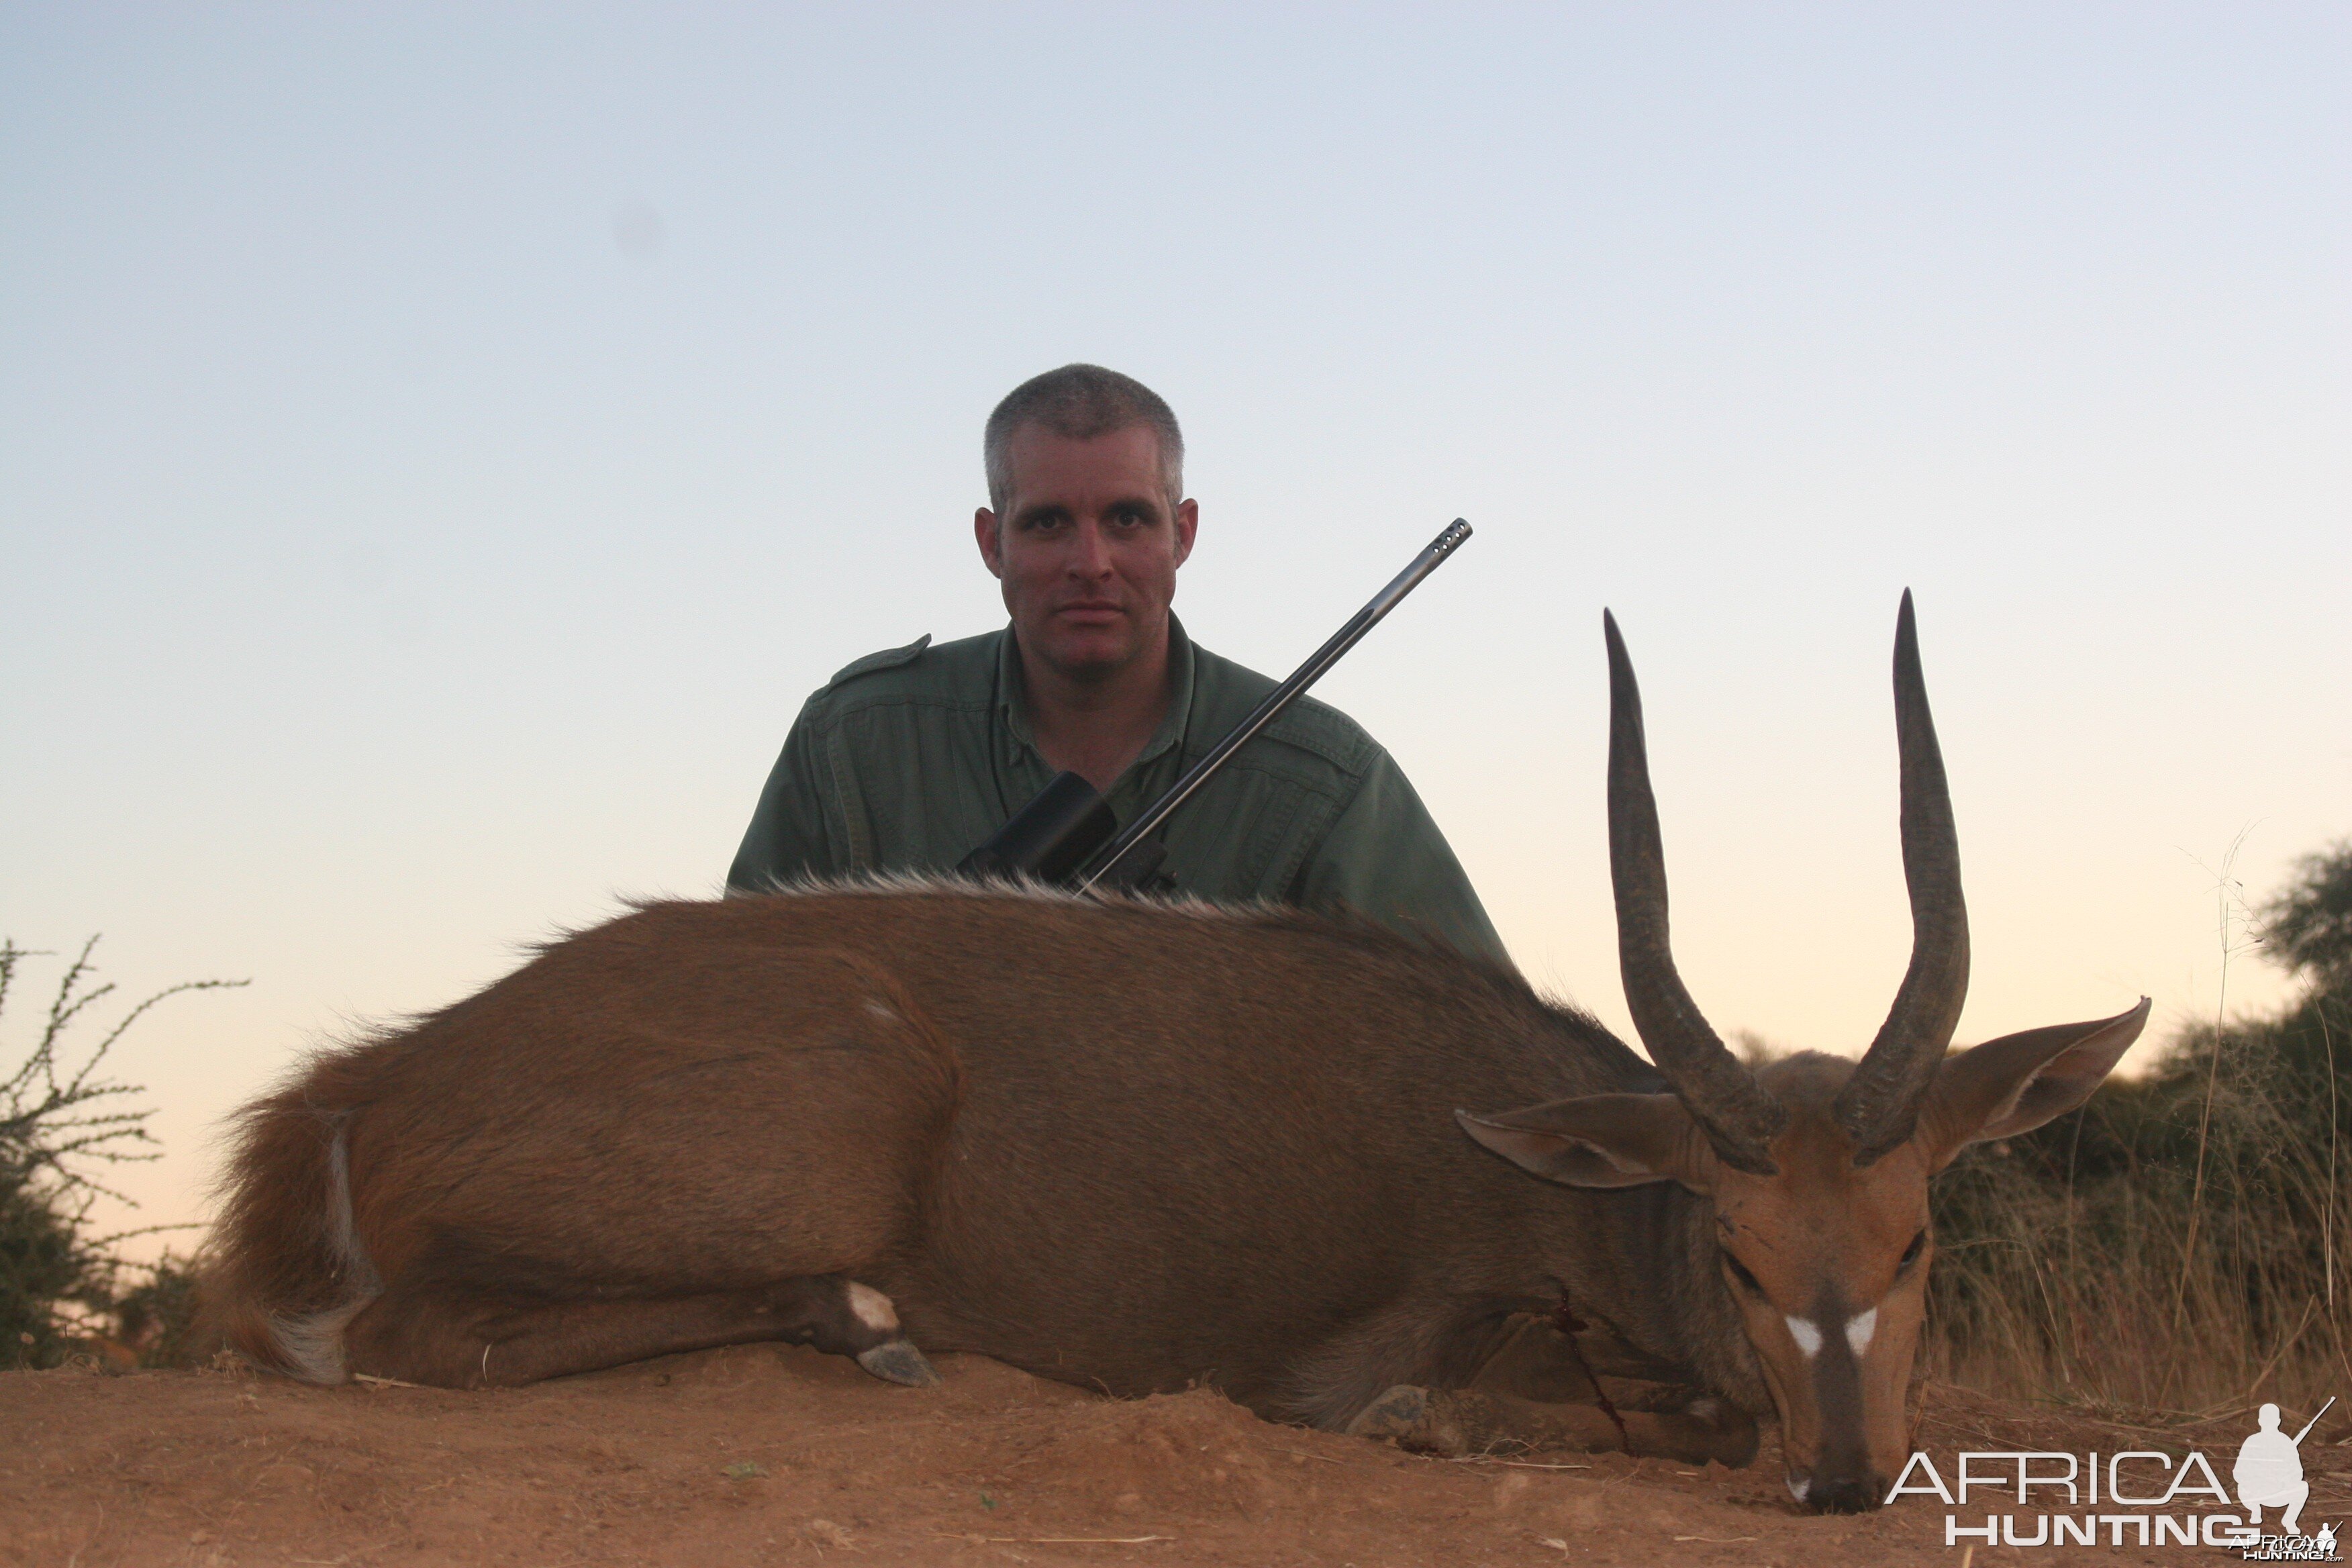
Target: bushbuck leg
(477, 1340)
(1529, 1357)
(1537, 1388)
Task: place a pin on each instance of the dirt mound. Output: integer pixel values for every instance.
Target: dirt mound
(756, 1455)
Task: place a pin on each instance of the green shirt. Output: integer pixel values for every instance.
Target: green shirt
(909, 759)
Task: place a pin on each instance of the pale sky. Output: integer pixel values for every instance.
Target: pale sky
(441, 447)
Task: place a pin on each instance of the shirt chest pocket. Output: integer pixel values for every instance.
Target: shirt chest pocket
(1245, 835)
(911, 792)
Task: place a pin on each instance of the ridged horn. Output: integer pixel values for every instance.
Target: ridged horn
(1737, 1116)
(1880, 1104)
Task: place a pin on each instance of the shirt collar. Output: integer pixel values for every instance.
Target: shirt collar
(1013, 706)
(1178, 717)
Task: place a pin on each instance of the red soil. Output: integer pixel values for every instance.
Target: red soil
(755, 1456)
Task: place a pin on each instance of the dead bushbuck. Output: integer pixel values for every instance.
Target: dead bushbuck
(1139, 1145)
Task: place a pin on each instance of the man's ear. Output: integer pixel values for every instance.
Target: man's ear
(1601, 1141)
(1188, 524)
(2016, 1083)
(984, 533)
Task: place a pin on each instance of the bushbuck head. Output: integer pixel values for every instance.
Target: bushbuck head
(1816, 1168)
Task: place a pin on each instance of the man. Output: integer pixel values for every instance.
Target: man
(2268, 1472)
(907, 760)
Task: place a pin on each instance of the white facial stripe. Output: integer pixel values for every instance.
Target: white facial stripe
(1858, 1331)
(1797, 1488)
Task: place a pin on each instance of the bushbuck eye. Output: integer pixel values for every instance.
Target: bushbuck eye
(1911, 1253)
(1740, 1272)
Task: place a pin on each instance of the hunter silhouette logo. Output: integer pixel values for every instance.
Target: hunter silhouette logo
(2269, 1472)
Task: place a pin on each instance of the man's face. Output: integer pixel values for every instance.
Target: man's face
(1088, 548)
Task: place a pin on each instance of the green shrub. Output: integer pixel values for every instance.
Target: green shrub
(61, 1287)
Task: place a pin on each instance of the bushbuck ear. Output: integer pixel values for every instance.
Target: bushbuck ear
(2016, 1083)
(1600, 1141)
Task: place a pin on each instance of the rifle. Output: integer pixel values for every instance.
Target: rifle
(1068, 833)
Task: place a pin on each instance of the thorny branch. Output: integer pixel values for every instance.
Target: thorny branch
(54, 1118)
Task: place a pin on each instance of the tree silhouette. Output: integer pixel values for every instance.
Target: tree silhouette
(2309, 925)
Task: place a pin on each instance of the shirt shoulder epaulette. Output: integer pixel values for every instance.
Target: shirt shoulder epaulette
(1322, 730)
(1332, 749)
(889, 659)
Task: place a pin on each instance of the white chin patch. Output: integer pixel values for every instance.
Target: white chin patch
(873, 1308)
(1799, 1490)
(1859, 1328)
(1808, 1338)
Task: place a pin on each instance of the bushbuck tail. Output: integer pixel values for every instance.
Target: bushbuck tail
(1139, 1145)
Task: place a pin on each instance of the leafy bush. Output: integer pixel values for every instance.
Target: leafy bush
(61, 1289)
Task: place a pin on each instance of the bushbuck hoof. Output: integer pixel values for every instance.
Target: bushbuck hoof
(1707, 1428)
(1393, 1415)
(899, 1362)
(1853, 1494)
(1418, 1420)
(1454, 1423)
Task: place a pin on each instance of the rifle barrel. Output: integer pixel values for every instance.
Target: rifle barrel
(1280, 698)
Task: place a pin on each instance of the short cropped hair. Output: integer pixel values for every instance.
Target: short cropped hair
(1081, 402)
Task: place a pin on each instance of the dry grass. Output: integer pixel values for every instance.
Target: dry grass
(2172, 1250)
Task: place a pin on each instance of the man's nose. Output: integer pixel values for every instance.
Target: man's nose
(1089, 551)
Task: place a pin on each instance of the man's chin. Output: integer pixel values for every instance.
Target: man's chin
(1088, 659)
